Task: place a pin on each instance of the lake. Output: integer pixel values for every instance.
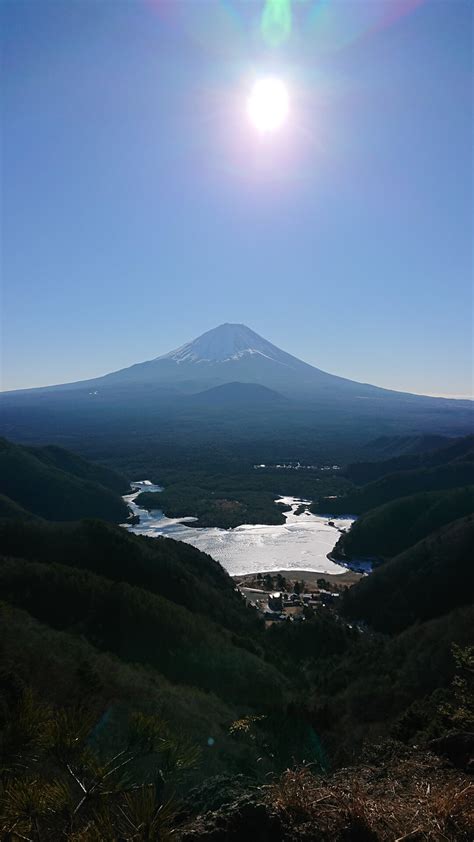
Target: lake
(301, 543)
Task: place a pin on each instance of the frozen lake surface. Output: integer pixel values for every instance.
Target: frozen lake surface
(301, 543)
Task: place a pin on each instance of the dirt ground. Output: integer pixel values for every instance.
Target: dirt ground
(310, 578)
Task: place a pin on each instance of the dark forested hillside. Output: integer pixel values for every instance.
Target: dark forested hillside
(172, 569)
(389, 529)
(116, 645)
(71, 463)
(141, 627)
(393, 684)
(390, 447)
(97, 590)
(10, 509)
(55, 484)
(422, 453)
(65, 669)
(428, 580)
(455, 474)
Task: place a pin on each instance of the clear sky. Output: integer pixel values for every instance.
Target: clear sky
(141, 207)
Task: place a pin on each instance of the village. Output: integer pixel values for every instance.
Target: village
(278, 598)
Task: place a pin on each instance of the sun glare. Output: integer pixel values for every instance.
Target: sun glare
(268, 104)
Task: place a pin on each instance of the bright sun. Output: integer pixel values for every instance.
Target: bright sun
(268, 104)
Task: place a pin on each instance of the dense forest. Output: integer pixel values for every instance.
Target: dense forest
(225, 510)
(229, 498)
(55, 484)
(389, 529)
(431, 578)
(405, 453)
(140, 690)
(449, 467)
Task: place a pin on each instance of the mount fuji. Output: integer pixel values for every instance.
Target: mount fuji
(232, 367)
(231, 354)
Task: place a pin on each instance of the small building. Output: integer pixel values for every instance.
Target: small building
(275, 601)
(274, 616)
(328, 598)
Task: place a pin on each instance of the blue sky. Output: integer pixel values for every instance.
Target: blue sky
(141, 208)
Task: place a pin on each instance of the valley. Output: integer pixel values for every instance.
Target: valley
(223, 609)
(244, 644)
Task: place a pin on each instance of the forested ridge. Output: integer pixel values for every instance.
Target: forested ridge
(380, 482)
(429, 579)
(55, 484)
(389, 529)
(423, 452)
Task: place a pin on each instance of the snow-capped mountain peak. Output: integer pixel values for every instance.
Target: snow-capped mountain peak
(235, 357)
(224, 343)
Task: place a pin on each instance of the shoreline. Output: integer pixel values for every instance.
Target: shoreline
(286, 508)
(157, 523)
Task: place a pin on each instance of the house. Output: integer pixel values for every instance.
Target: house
(274, 616)
(275, 601)
(328, 598)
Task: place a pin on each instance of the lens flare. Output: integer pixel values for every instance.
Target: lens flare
(276, 22)
(268, 104)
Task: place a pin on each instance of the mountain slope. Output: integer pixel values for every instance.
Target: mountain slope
(226, 354)
(71, 463)
(171, 569)
(238, 395)
(395, 526)
(227, 342)
(54, 484)
(458, 449)
(401, 484)
(428, 580)
(235, 353)
(10, 509)
(141, 627)
(152, 399)
(390, 447)
(64, 669)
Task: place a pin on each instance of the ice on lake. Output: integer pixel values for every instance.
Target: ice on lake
(301, 543)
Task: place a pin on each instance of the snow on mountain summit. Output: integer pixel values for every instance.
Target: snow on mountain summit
(223, 343)
(221, 365)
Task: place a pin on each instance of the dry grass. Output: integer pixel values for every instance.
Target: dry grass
(412, 799)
